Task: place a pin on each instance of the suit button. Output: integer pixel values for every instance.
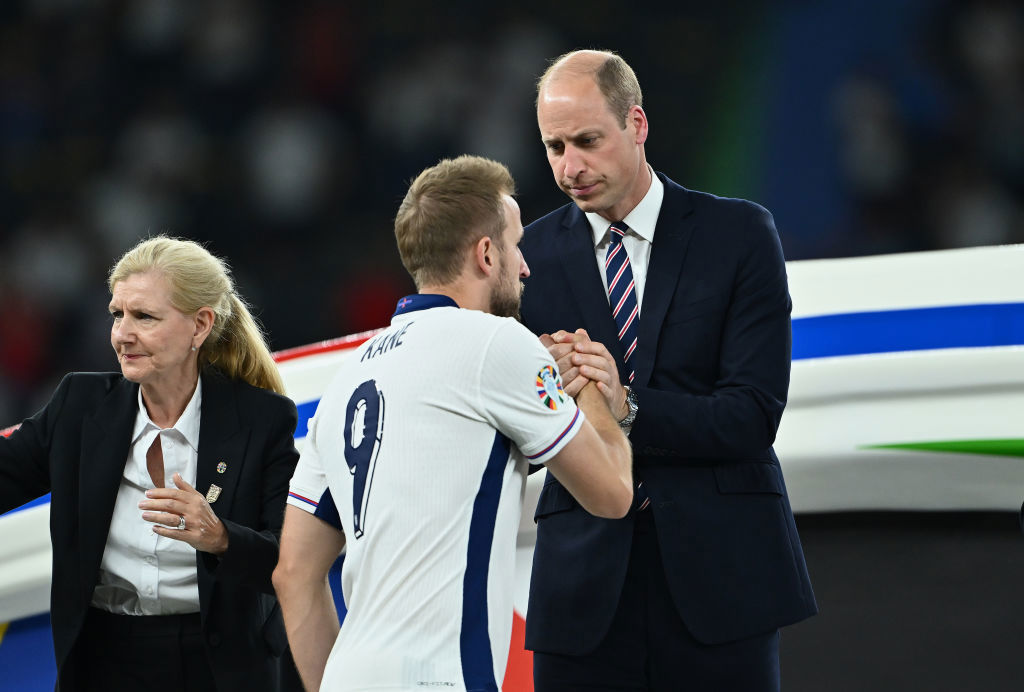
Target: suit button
(215, 639)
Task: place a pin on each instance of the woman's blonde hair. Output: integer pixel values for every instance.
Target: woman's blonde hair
(236, 345)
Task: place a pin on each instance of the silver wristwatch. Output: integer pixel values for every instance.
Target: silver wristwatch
(631, 402)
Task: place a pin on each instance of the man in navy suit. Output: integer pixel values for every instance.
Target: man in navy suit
(682, 302)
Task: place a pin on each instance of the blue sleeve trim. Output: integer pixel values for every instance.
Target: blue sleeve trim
(328, 511)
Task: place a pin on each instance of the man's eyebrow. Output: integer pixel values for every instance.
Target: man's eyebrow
(582, 134)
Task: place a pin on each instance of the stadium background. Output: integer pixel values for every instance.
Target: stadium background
(284, 134)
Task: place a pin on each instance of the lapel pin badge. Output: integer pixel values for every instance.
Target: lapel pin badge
(213, 493)
(222, 467)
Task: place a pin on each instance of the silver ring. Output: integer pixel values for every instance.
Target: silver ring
(181, 523)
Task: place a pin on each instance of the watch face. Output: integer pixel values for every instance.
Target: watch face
(631, 404)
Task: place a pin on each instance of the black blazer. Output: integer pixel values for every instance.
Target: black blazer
(712, 375)
(76, 448)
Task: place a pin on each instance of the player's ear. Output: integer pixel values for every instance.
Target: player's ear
(485, 255)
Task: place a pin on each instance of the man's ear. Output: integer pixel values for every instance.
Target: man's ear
(638, 119)
(485, 255)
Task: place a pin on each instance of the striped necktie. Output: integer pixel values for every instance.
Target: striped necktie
(622, 294)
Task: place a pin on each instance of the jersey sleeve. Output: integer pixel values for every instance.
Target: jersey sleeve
(522, 394)
(309, 490)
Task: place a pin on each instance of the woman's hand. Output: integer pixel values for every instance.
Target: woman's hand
(166, 507)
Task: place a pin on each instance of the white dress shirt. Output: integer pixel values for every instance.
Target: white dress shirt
(637, 241)
(143, 573)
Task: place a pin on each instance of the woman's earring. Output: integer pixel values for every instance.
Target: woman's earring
(193, 348)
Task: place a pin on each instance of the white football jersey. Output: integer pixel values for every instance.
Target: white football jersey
(419, 450)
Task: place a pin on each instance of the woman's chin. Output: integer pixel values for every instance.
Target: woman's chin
(131, 373)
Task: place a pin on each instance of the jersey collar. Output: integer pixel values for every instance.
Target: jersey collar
(423, 301)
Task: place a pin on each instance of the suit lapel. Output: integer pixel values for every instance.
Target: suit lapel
(222, 442)
(106, 436)
(581, 272)
(671, 237)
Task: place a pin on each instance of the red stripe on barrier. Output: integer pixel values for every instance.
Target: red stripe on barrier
(342, 344)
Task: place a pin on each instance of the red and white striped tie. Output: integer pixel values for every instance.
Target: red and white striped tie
(622, 294)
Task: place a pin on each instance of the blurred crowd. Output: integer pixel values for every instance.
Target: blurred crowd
(283, 135)
(937, 160)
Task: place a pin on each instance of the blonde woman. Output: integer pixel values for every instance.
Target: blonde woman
(168, 485)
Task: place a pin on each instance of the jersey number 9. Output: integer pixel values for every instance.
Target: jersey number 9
(364, 428)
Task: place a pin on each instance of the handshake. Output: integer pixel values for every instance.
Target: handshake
(582, 361)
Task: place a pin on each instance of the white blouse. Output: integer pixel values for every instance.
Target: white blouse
(143, 573)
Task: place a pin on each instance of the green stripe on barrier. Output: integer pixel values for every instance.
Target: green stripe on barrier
(1001, 448)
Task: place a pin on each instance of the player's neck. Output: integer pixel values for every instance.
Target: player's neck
(465, 296)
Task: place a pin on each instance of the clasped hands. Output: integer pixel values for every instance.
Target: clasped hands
(165, 507)
(581, 360)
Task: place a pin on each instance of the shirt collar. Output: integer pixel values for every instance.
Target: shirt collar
(187, 424)
(423, 301)
(641, 220)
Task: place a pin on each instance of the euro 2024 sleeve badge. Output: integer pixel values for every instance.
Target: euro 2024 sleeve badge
(549, 388)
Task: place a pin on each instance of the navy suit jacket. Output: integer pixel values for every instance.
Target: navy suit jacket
(76, 448)
(712, 375)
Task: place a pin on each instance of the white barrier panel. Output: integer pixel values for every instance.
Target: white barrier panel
(25, 563)
(907, 387)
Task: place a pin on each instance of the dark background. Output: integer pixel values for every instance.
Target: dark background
(283, 135)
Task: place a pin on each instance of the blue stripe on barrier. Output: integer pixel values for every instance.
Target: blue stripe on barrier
(919, 329)
(43, 500)
(306, 411)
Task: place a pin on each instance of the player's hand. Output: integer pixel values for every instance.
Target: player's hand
(165, 507)
(561, 346)
(591, 361)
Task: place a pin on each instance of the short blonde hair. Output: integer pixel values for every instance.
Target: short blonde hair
(448, 208)
(236, 345)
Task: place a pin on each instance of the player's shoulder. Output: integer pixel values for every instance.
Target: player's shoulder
(476, 331)
(485, 326)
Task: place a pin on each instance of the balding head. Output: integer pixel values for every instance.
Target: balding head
(578, 62)
(613, 76)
